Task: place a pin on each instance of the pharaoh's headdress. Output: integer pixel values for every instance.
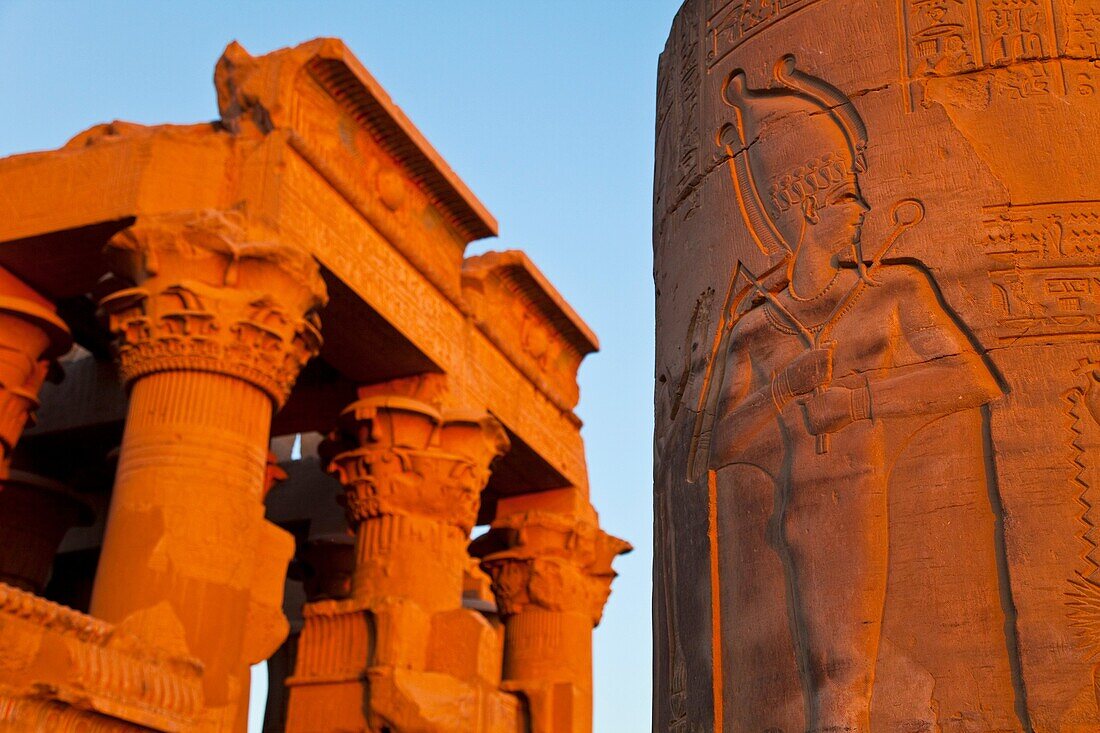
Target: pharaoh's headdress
(788, 143)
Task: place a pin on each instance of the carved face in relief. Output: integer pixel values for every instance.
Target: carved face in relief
(819, 206)
(835, 218)
(797, 152)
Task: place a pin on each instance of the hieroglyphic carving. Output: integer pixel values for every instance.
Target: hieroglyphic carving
(996, 47)
(1046, 283)
(1082, 24)
(678, 132)
(732, 22)
(513, 304)
(341, 239)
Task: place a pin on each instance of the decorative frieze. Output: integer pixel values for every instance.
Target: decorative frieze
(100, 677)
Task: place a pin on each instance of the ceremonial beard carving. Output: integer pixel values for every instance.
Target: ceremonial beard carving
(823, 369)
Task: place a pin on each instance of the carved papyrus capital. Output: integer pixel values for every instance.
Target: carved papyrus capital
(31, 337)
(205, 300)
(549, 561)
(399, 456)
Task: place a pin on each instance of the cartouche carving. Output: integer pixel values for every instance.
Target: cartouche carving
(827, 363)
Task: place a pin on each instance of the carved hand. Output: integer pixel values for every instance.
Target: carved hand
(805, 373)
(836, 408)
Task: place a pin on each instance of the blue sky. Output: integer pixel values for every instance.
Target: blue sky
(544, 108)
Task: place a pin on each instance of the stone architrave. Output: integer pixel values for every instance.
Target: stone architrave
(211, 337)
(876, 231)
(551, 575)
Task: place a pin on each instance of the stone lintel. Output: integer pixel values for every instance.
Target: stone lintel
(58, 225)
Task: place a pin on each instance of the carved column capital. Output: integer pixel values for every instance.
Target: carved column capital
(32, 336)
(549, 561)
(399, 456)
(412, 478)
(204, 299)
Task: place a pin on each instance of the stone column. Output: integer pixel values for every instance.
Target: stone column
(32, 336)
(400, 653)
(551, 576)
(34, 512)
(413, 478)
(211, 338)
(877, 475)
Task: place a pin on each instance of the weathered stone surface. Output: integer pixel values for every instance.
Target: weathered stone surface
(203, 260)
(64, 671)
(875, 239)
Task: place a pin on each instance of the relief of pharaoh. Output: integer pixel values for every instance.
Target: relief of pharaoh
(828, 363)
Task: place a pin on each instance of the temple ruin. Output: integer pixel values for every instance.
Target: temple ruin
(252, 386)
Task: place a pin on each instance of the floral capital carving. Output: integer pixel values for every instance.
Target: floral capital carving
(400, 456)
(31, 337)
(550, 561)
(204, 301)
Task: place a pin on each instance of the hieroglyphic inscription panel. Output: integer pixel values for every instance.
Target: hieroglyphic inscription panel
(1045, 276)
(679, 155)
(1024, 48)
(732, 22)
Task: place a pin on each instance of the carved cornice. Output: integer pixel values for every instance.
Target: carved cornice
(263, 91)
(550, 561)
(400, 456)
(526, 318)
(204, 302)
(106, 671)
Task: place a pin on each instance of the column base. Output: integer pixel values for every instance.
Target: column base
(396, 667)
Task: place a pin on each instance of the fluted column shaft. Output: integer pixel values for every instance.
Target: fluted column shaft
(211, 339)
